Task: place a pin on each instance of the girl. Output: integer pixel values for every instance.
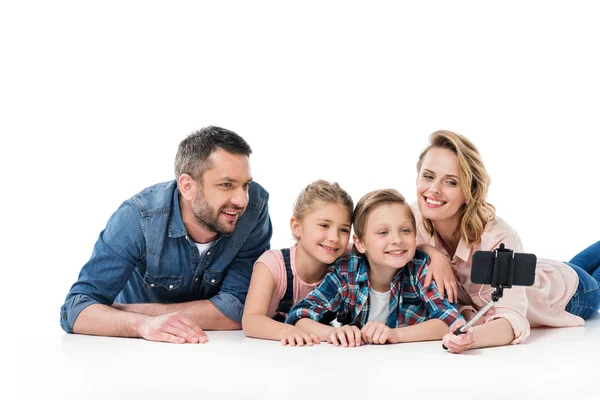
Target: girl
(377, 291)
(321, 224)
(455, 217)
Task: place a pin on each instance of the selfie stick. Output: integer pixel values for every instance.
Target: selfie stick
(498, 293)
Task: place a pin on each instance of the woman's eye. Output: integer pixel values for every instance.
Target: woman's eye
(427, 177)
(451, 183)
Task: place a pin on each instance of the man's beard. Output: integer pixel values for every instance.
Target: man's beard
(209, 217)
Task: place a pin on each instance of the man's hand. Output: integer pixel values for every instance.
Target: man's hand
(458, 343)
(295, 336)
(172, 328)
(346, 336)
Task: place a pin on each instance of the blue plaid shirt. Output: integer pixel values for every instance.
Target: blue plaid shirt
(345, 291)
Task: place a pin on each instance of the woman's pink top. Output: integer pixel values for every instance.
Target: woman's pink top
(542, 304)
(273, 259)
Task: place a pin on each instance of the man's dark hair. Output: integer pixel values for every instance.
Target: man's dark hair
(194, 151)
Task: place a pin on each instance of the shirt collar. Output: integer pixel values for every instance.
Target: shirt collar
(176, 227)
(462, 251)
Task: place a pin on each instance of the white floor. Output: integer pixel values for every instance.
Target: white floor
(552, 364)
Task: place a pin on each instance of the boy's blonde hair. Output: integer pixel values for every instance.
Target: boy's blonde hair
(370, 202)
(474, 182)
(321, 191)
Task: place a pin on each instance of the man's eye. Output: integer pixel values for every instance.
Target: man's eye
(247, 185)
(226, 185)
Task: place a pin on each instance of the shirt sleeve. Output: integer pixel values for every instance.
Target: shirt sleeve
(232, 295)
(328, 296)
(513, 305)
(437, 307)
(120, 246)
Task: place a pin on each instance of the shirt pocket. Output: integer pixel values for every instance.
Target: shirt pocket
(163, 288)
(211, 283)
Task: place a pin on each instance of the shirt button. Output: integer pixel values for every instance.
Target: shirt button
(170, 286)
(208, 254)
(196, 279)
(194, 253)
(152, 285)
(212, 281)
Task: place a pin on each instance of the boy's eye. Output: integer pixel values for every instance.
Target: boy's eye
(382, 232)
(324, 226)
(345, 230)
(406, 230)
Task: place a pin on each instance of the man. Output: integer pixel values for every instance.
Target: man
(176, 258)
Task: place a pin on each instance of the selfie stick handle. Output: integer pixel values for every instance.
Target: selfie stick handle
(464, 328)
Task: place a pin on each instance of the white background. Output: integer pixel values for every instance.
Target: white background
(95, 97)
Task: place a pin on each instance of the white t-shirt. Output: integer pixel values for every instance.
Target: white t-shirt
(379, 304)
(203, 247)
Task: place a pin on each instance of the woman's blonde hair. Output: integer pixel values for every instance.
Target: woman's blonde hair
(370, 202)
(321, 191)
(473, 180)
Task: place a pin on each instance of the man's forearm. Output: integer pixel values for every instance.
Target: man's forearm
(202, 312)
(101, 320)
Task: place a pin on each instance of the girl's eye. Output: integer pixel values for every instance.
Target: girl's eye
(346, 230)
(406, 230)
(324, 226)
(382, 233)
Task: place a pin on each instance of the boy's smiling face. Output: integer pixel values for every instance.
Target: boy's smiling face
(390, 238)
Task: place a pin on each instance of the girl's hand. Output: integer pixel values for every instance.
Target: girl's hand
(458, 343)
(375, 332)
(440, 270)
(346, 336)
(295, 336)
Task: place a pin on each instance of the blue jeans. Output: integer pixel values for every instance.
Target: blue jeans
(585, 303)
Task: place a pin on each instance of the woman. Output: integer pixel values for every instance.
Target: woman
(452, 186)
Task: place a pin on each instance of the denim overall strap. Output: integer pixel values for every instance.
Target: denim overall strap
(287, 301)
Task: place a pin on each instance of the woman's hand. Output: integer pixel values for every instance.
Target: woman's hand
(458, 343)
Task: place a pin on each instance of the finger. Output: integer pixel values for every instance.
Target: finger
(299, 340)
(191, 324)
(342, 338)
(449, 291)
(428, 278)
(169, 338)
(190, 335)
(367, 333)
(454, 290)
(315, 339)
(441, 288)
(283, 341)
(333, 338)
(357, 339)
(384, 337)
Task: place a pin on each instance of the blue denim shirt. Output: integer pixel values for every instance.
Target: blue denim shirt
(145, 256)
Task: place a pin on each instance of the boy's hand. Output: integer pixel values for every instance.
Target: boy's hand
(346, 336)
(295, 336)
(375, 332)
(458, 343)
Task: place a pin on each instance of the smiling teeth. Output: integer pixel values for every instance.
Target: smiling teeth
(435, 203)
(230, 213)
(397, 252)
